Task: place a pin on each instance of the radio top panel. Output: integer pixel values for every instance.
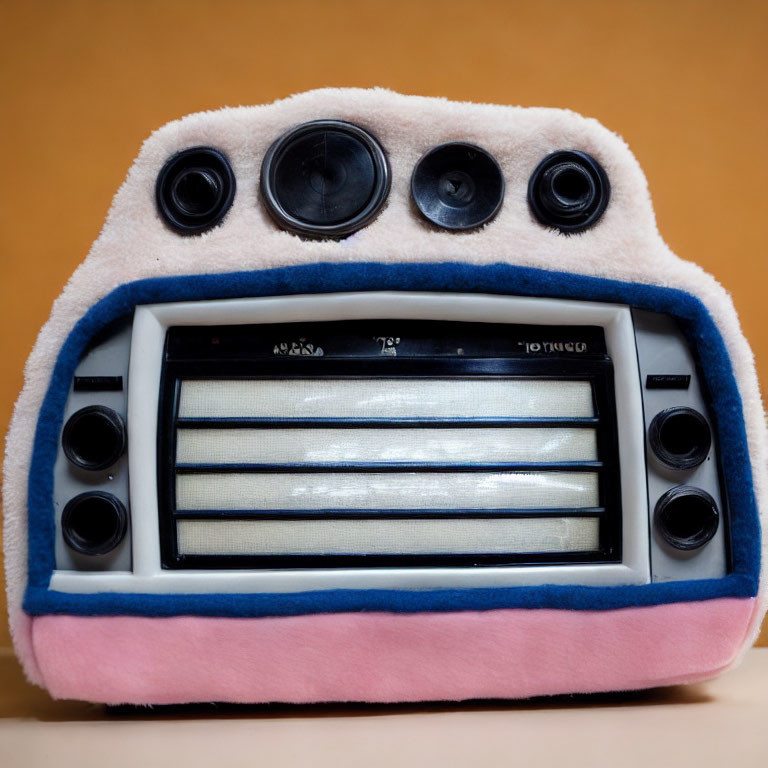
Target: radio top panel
(357, 357)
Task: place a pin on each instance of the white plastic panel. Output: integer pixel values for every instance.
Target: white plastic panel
(401, 490)
(150, 326)
(385, 398)
(371, 537)
(334, 446)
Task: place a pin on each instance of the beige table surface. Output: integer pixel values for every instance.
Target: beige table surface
(720, 723)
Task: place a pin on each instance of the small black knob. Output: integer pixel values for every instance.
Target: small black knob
(569, 190)
(325, 178)
(196, 192)
(94, 437)
(195, 189)
(94, 523)
(458, 186)
(686, 517)
(680, 437)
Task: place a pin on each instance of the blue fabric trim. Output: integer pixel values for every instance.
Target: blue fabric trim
(370, 276)
(44, 601)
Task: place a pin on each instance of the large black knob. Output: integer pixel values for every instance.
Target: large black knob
(94, 437)
(569, 190)
(458, 186)
(195, 189)
(94, 523)
(686, 517)
(326, 178)
(680, 437)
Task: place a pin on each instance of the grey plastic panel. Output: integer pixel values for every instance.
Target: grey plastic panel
(663, 349)
(109, 358)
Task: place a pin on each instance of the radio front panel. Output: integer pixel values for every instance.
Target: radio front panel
(401, 450)
(387, 443)
(381, 440)
(376, 440)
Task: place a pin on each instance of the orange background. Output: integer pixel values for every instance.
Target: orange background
(83, 82)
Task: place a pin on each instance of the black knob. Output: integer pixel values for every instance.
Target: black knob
(94, 437)
(458, 186)
(686, 517)
(680, 437)
(94, 523)
(195, 189)
(326, 178)
(569, 190)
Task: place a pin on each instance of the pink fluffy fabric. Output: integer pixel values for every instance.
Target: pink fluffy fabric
(382, 657)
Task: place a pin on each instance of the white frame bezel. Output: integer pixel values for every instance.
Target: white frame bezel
(149, 330)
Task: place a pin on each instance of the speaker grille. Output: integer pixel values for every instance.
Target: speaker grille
(487, 455)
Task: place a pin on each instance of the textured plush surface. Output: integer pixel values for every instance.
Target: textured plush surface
(383, 658)
(135, 245)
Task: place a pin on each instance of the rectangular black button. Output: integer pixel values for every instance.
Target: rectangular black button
(98, 383)
(667, 381)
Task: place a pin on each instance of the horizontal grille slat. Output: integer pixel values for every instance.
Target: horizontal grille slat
(377, 490)
(571, 466)
(246, 422)
(327, 446)
(385, 398)
(350, 514)
(408, 536)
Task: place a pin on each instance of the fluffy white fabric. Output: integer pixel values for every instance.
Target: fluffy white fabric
(136, 244)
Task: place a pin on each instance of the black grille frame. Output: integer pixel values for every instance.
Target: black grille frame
(198, 353)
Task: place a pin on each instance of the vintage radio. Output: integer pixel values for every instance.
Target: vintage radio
(361, 396)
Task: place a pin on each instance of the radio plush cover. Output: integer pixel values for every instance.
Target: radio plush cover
(381, 645)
